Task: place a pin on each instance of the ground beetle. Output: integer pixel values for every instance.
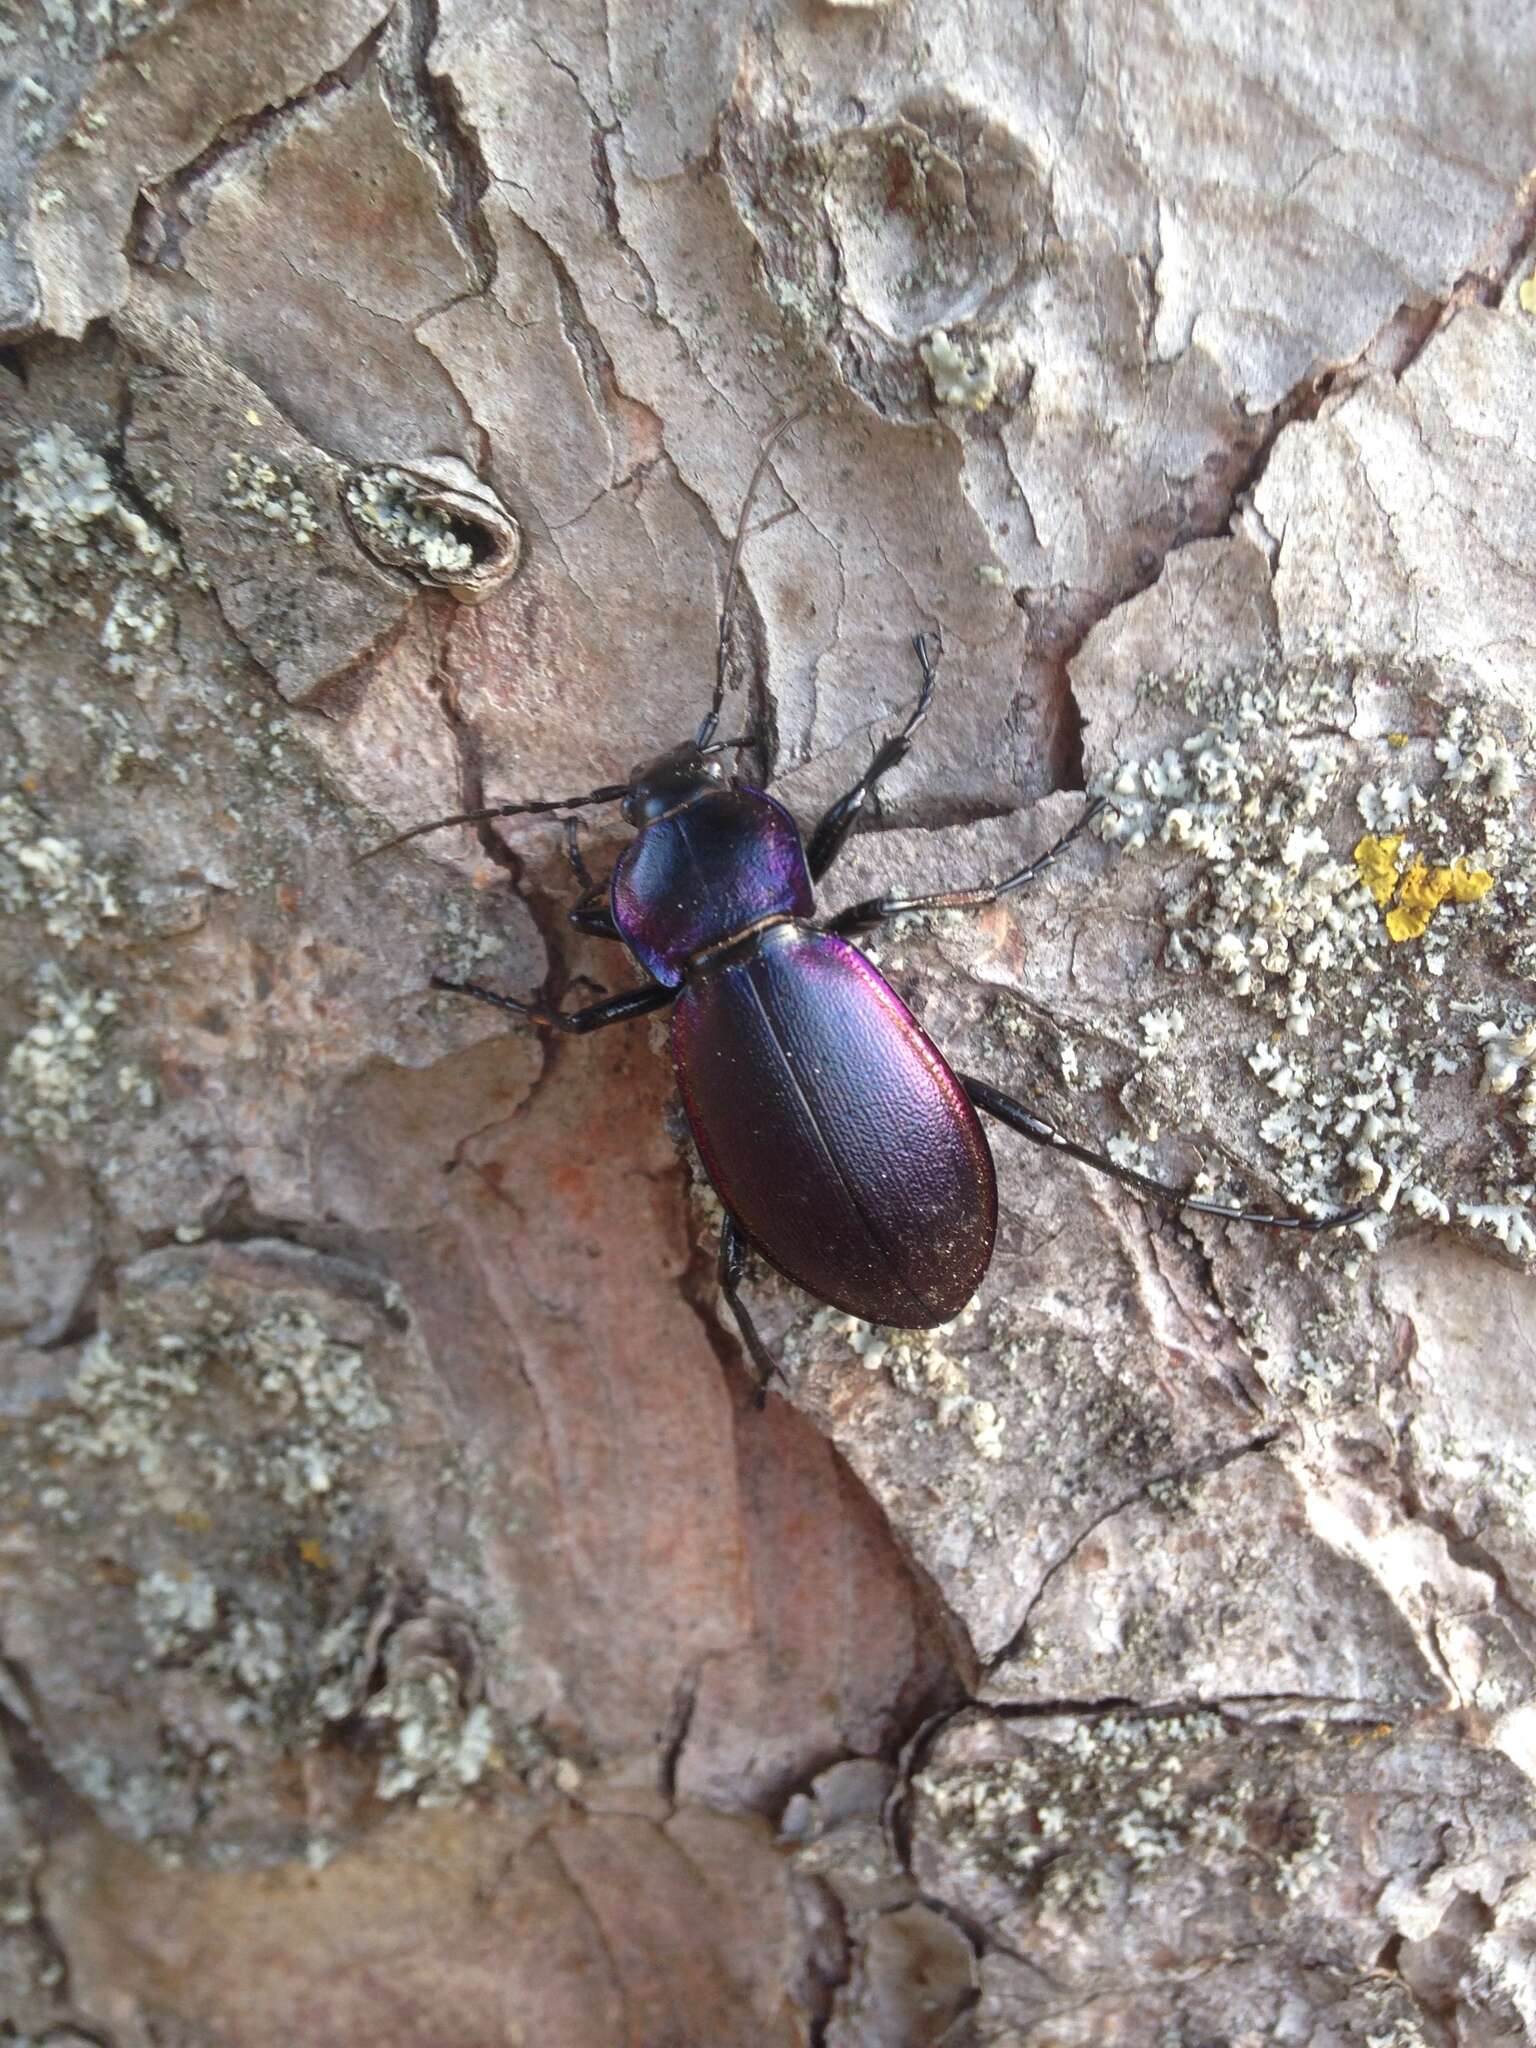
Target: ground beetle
(841, 1145)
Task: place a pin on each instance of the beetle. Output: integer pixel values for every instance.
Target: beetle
(842, 1146)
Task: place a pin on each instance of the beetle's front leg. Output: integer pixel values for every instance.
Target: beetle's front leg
(592, 913)
(831, 834)
(629, 1002)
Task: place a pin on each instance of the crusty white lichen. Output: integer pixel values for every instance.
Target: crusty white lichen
(187, 1622)
(438, 1746)
(50, 875)
(135, 1399)
(1131, 1804)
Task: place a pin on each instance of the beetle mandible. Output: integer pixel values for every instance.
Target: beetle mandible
(842, 1146)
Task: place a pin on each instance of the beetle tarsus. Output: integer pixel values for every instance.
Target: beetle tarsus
(1013, 1113)
(733, 1264)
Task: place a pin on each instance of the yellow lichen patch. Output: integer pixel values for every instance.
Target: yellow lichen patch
(1377, 861)
(1423, 889)
(1528, 295)
(315, 1554)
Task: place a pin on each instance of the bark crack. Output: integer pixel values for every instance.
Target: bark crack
(169, 207)
(434, 99)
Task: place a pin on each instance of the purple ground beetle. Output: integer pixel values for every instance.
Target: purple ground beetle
(841, 1145)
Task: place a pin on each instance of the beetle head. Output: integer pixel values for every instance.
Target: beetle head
(671, 780)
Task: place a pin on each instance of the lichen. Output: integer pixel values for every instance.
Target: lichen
(1145, 1810)
(920, 1363)
(69, 536)
(55, 1075)
(50, 875)
(1377, 861)
(189, 1624)
(969, 382)
(273, 495)
(135, 1400)
(1307, 937)
(394, 508)
(438, 1747)
(1420, 891)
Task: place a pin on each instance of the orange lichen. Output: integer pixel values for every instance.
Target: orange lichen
(315, 1554)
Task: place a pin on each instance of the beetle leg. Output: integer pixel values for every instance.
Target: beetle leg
(1039, 1132)
(828, 839)
(594, 914)
(573, 855)
(733, 1263)
(860, 916)
(591, 912)
(629, 1002)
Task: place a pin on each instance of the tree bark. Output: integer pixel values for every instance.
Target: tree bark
(412, 1632)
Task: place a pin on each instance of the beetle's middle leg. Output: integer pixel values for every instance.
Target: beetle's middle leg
(733, 1263)
(1039, 1132)
(876, 909)
(831, 834)
(629, 1002)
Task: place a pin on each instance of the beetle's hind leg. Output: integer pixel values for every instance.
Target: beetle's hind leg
(733, 1264)
(1039, 1132)
(828, 839)
(861, 916)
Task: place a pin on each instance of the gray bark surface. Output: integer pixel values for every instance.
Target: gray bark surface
(410, 1632)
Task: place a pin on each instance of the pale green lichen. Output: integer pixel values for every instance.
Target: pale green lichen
(54, 1073)
(920, 1363)
(396, 511)
(273, 495)
(50, 875)
(438, 1747)
(1115, 1790)
(68, 535)
(965, 381)
(188, 1624)
(135, 1395)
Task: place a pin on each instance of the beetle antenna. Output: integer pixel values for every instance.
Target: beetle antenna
(609, 794)
(707, 730)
